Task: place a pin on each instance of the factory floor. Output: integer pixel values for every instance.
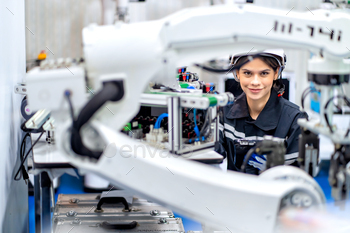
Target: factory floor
(73, 185)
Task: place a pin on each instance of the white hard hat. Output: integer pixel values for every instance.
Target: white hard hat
(274, 52)
(277, 54)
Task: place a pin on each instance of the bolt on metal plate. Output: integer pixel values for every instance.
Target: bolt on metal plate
(155, 212)
(71, 213)
(74, 200)
(162, 220)
(76, 221)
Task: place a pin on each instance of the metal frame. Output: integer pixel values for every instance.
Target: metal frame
(174, 104)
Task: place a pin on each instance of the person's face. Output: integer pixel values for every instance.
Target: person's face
(256, 79)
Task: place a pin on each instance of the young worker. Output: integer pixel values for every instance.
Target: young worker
(260, 110)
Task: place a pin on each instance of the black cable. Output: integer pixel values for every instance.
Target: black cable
(246, 160)
(25, 157)
(24, 171)
(21, 154)
(67, 94)
(348, 104)
(347, 132)
(307, 89)
(206, 131)
(231, 68)
(303, 96)
(111, 91)
(25, 129)
(305, 93)
(210, 121)
(213, 70)
(164, 88)
(204, 126)
(326, 115)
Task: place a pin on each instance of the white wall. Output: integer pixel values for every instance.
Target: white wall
(297, 64)
(151, 9)
(13, 194)
(55, 26)
(156, 9)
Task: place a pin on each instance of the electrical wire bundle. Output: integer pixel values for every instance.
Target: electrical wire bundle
(21, 172)
(205, 132)
(159, 120)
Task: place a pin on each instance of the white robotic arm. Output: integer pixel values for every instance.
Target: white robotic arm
(220, 201)
(147, 51)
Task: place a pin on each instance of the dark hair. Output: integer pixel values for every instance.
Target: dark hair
(267, 60)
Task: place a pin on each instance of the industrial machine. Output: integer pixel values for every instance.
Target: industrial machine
(105, 92)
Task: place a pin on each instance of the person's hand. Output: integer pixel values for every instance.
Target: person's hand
(258, 161)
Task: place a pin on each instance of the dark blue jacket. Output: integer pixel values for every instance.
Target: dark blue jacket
(278, 118)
